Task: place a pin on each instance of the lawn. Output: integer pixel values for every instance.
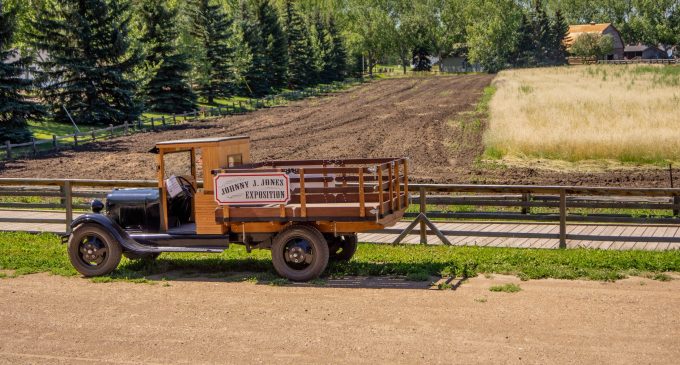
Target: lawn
(25, 253)
(624, 113)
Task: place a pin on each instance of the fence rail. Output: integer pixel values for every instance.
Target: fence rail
(670, 61)
(36, 147)
(489, 203)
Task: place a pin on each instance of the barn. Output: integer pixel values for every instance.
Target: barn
(645, 52)
(598, 28)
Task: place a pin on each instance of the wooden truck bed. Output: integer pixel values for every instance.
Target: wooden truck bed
(357, 194)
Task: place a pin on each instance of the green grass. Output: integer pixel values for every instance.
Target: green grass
(45, 130)
(25, 254)
(506, 288)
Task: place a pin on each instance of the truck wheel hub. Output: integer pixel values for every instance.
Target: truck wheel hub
(298, 254)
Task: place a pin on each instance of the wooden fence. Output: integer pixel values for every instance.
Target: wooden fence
(35, 147)
(491, 203)
(671, 61)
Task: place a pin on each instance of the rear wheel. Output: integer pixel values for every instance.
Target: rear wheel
(342, 248)
(300, 253)
(93, 251)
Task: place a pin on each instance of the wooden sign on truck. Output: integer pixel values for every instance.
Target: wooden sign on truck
(252, 188)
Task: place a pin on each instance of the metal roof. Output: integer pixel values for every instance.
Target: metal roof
(201, 140)
(578, 29)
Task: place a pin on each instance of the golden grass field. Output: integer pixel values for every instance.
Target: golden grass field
(625, 113)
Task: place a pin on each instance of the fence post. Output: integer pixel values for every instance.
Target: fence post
(174, 119)
(8, 146)
(68, 196)
(55, 147)
(423, 210)
(35, 148)
(163, 120)
(75, 140)
(152, 125)
(676, 201)
(139, 124)
(526, 197)
(563, 218)
(111, 130)
(92, 135)
(126, 127)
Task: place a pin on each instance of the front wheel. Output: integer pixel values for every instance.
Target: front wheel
(93, 251)
(300, 253)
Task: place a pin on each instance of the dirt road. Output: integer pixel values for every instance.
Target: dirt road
(54, 320)
(430, 120)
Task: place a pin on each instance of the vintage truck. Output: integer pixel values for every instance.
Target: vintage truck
(306, 212)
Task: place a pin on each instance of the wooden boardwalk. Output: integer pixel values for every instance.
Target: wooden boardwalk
(642, 237)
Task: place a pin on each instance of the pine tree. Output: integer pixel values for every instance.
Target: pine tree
(541, 33)
(88, 60)
(257, 76)
(167, 90)
(421, 59)
(276, 43)
(324, 45)
(301, 70)
(338, 56)
(524, 54)
(14, 106)
(211, 27)
(559, 30)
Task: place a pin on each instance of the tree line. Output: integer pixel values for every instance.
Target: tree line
(107, 61)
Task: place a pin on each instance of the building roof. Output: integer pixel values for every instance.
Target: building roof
(640, 48)
(201, 140)
(578, 29)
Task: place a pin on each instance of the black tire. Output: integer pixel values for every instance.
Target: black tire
(146, 256)
(85, 250)
(302, 243)
(342, 248)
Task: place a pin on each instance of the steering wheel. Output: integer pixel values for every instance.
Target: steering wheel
(187, 186)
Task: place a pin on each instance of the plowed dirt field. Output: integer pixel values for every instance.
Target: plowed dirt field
(432, 120)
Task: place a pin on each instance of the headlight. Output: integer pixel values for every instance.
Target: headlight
(97, 206)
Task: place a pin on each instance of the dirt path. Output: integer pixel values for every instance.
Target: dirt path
(430, 120)
(54, 320)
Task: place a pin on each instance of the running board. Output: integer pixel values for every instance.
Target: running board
(152, 243)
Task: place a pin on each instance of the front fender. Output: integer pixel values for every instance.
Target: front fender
(110, 226)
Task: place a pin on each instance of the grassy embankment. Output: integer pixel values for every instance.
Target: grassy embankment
(621, 113)
(22, 253)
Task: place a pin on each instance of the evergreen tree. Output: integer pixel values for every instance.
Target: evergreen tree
(421, 59)
(257, 76)
(324, 45)
(337, 65)
(14, 107)
(211, 27)
(559, 30)
(524, 54)
(88, 60)
(301, 70)
(276, 44)
(541, 29)
(167, 90)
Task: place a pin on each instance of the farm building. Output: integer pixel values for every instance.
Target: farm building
(603, 29)
(645, 52)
